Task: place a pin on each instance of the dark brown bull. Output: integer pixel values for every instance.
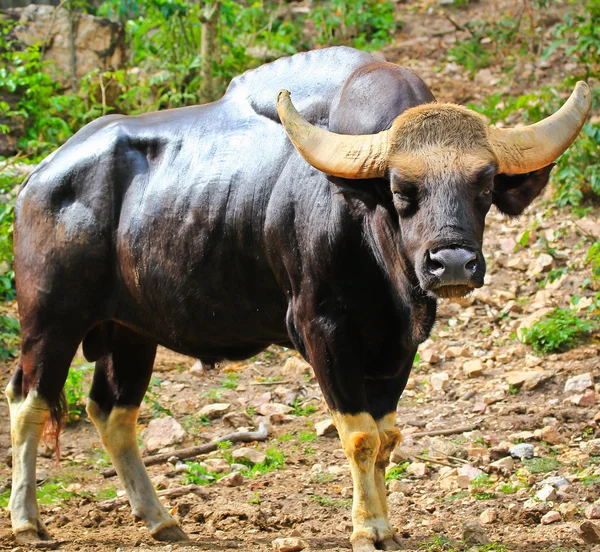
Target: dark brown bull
(204, 230)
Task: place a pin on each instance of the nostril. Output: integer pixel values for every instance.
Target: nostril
(471, 266)
(434, 267)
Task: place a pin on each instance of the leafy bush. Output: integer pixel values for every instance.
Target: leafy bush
(76, 390)
(558, 331)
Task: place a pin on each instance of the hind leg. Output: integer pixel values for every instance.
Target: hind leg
(34, 394)
(120, 381)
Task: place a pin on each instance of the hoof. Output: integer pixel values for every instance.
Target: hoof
(36, 539)
(363, 545)
(391, 544)
(173, 533)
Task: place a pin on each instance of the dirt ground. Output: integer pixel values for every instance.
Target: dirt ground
(514, 394)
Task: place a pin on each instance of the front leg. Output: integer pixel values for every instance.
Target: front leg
(361, 442)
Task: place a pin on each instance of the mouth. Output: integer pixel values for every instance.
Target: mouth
(452, 291)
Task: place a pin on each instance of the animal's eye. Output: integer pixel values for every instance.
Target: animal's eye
(486, 191)
(400, 197)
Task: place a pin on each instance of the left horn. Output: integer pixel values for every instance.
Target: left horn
(527, 149)
(346, 156)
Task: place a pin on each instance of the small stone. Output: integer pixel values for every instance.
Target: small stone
(473, 368)
(456, 352)
(439, 381)
(162, 432)
(503, 466)
(217, 465)
(546, 493)
(593, 511)
(535, 507)
(469, 471)
(237, 419)
(557, 481)
(541, 263)
(522, 436)
(289, 544)
(401, 454)
(550, 435)
(429, 356)
(270, 409)
(591, 447)
(440, 448)
(589, 532)
(395, 486)
(396, 499)
(488, 516)
(551, 517)
(522, 451)
(234, 479)
(568, 511)
(417, 469)
(473, 533)
(500, 450)
(585, 399)
(250, 455)
(578, 384)
(347, 492)
(295, 368)
(198, 370)
(325, 427)
(214, 410)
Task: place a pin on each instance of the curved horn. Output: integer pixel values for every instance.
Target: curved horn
(340, 155)
(527, 149)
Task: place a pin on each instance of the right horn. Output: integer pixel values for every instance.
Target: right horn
(527, 149)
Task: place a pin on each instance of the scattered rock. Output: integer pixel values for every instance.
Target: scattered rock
(439, 381)
(593, 511)
(198, 369)
(396, 486)
(234, 479)
(531, 320)
(522, 451)
(578, 384)
(546, 493)
(440, 448)
(401, 454)
(455, 352)
(295, 368)
(289, 544)
(567, 511)
(591, 447)
(474, 533)
(215, 410)
(417, 469)
(270, 409)
(237, 419)
(162, 432)
(473, 368)
(325, 427)
(503, 466)
(585, 399)
(557, 481)
(429, 356)
(396, 499)
(550, 435)
(488, 516)
(589, 532)
(250, 455)
(217, 465)
(542, 263)
(551, 517)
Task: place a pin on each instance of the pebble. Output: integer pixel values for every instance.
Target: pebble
(429, 356)
(295, 368)
(162, 432)
(521, 451)
(440, 448)
(197, 369)
(585, 399)
(401, 454)
(589, 532)
(270, 409)
(237, 419)
(325, 427)
(541, 263)
(550, 435)
(593, 511)
(396, 486)
(234, 479)
(289, 544)
(578, 384)
(474, 533)
(455, 352)
(489, 515)
(504, 465)
(473, 368)
(251, 455)
(214, 410)
(439, 381)
(534, 506)
(557, 481)
(551, 517)
(591, 447)
(546, 493)
(568, 511)
(417, 469)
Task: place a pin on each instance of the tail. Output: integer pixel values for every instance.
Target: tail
(56, 423)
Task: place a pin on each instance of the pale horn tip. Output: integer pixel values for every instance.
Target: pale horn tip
(283, 95)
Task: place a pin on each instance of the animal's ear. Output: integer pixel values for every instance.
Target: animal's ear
(514, 192)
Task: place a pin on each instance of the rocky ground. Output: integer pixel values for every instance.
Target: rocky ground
(518, 467)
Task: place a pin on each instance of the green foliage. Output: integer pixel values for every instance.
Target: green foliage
(560, 330)
(9, 336)
(397, 472)
(231, 381)
(542, 465)
(303, 410)
(76, 390)
(307, 437)
(152, 399)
